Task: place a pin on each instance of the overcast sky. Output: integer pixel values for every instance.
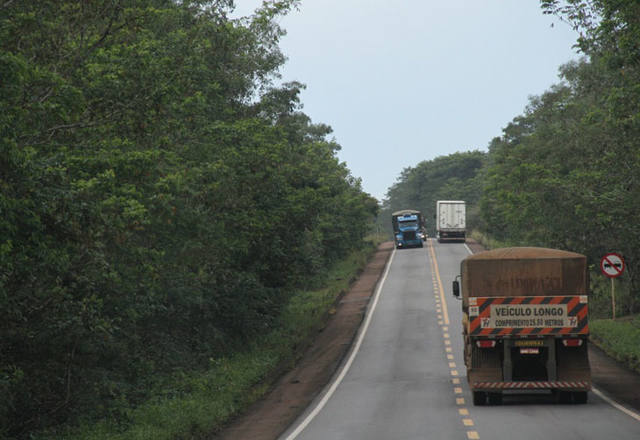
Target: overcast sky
(402, 81)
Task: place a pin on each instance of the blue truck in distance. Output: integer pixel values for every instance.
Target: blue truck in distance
(408, 228)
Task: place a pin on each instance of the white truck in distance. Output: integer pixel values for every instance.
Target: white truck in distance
(450, 220)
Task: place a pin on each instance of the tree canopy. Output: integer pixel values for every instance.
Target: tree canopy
(160, 197)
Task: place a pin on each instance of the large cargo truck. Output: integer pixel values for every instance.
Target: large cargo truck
(450, 220)
(525, 323)
(408, 228)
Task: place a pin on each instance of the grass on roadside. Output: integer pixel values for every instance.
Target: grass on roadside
(202, 402)
(486, 241)
(620, 339)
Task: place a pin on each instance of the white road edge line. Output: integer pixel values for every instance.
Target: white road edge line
(615, 404)
(599, 393)
(347, 365)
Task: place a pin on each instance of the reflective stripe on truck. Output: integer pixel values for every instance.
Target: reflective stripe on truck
(532, 385)
(528, 315)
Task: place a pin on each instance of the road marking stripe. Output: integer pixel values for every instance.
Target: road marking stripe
(471, 435)
(615, 404)
(440, 288)
(352, 356)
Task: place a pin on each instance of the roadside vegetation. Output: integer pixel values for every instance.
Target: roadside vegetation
(198, 403)
(163, 201)
(620, 339)
(566, 173)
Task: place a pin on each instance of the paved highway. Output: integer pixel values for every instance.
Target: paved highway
(405, 377)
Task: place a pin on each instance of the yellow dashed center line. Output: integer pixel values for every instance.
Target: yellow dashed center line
(443, 321)
(437, 274)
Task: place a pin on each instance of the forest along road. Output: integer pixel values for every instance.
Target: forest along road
(405, 378)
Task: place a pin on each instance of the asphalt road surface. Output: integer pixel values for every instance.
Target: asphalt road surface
(405, 376)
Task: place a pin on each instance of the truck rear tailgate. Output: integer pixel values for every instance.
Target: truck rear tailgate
(523, 316)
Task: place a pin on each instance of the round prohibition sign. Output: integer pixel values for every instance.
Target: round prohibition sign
(612, 265)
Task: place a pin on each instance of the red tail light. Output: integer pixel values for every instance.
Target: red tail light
(486, 343)
(572, 342)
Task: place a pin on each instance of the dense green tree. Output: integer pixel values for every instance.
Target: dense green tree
(160, 198)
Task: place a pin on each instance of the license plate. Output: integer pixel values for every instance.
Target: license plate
(529, 343)
(529, 351)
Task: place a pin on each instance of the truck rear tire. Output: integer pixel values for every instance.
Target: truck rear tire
(495, 398)
(564, 397)
(479, 398)
(580, 397)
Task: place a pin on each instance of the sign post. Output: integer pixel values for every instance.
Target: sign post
(612, 266)
(613, 299)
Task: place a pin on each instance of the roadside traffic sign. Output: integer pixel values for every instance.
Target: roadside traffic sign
(612, 265)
